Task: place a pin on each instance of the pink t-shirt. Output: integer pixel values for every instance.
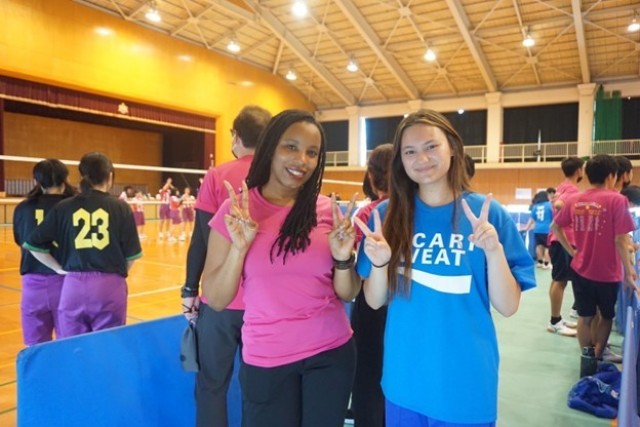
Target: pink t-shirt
(564, 192)
(213, 192)
(165, 196)
(597, 216)
(291, 311)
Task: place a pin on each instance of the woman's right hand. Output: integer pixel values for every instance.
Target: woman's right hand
(241, 227)
(375, 245)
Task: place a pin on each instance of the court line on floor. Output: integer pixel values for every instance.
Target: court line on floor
(4, 411)
(161, 264)
(10, 288)
(155, 291)
(2, 270)
(11, 331)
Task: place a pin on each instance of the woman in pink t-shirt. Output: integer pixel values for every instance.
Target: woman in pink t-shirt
(294, 253)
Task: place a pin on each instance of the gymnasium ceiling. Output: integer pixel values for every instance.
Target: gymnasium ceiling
(478, 43)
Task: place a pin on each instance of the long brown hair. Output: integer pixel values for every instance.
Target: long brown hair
(399, 220)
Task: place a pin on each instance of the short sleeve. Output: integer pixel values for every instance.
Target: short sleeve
(363, 264)
(519, 260)
(217, 222)
(43, 235)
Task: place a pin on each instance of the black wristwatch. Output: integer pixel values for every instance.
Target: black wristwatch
(187, 292)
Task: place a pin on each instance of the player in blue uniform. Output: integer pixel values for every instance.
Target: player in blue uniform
(98, 243)
(444, 257)
(41, 286)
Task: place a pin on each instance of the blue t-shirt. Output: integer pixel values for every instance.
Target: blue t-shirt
(542, 216)
(440, 348)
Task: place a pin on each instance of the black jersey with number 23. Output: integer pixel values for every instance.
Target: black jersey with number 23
(94, 231)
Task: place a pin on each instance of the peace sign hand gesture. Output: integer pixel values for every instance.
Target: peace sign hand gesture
(342, 236)
(375, 245)
(484, 234)
(241, 227)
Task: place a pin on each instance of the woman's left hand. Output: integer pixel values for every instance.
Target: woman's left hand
(484, 234)
(343, 236)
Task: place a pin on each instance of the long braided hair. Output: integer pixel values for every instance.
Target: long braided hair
(294, 232)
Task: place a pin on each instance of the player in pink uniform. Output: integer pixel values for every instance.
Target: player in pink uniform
(164, 195)
(175, 228)
(601, 222)
(138, 213)
(188, 215)
(294, 253)
(218, 332)
(561, 274)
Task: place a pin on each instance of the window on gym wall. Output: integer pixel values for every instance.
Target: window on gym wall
(554, 123)
(631, 118)
(471, 125)
(381, 130)
(549, 124)
(337, 134)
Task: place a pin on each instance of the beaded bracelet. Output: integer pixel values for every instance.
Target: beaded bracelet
(344, 264)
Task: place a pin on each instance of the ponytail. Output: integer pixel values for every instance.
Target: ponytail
(47, 174)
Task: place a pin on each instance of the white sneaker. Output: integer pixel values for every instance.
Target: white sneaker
(561, 329)
(160, 235)
(570, 324)
(172, 239)
(182, 237)
(610, 356)
(546, 266)
(573, 313)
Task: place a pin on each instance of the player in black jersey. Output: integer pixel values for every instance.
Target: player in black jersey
(98, 243)
(41, 286)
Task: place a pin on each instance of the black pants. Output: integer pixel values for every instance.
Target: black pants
(313, 392)
(197, 253)
(367, 399)
(218, 340)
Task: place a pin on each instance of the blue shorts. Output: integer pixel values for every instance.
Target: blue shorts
(397, 416)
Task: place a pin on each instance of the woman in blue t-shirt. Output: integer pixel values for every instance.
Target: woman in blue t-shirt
(444, 256)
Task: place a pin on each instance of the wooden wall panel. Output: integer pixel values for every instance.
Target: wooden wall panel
(35, 136)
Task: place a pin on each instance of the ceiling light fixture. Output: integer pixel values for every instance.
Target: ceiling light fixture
(528, 41)
(430, 55)
(461, 111)
(233, 46)
(152, 13)
(291, 75)
(352, 66)
(299, 9)
(104, 31)
(634, 25)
